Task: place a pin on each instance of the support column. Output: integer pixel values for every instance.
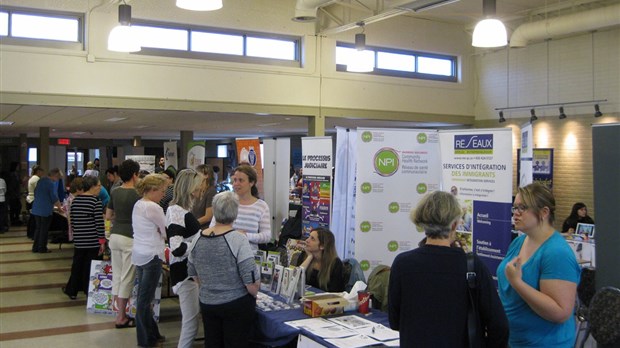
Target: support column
(44, 148)
(23, 156)
(186, 138)
(316, 125)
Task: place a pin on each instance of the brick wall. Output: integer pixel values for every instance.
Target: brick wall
(571, 140)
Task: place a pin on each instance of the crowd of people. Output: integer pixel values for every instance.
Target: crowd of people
(212, 239)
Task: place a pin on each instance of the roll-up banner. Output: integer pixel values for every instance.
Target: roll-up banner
(527, 153)
(395, 168)
(170, 155)
(343, 202)
(477, 168)
(248, 152)
(316, 196)
(195, 154)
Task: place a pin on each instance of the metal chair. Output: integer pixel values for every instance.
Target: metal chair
(585, 292)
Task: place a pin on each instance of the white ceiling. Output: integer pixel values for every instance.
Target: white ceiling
(86, 122)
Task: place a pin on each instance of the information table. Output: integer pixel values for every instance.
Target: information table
(272, 330)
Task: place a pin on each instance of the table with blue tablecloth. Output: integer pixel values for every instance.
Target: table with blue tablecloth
(272, 331)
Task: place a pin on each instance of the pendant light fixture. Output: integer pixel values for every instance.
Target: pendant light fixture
(122, 38)
(562, 114)
(533, 116)
(361, 60)
(489, 32)
(200, 5)
(501, 117)
(597, 111)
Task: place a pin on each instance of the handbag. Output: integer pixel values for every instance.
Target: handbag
(473, 323)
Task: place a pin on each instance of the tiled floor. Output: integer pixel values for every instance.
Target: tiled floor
(35, 313)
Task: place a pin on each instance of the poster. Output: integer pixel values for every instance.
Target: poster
(146, 162)
(248, 152)
(542, 167)
(476, 167)
(395, 168)
(195, 154)
(100, 299)
(316, 191)
(170, 155)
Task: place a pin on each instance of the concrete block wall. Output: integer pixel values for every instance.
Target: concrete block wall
(571, 141)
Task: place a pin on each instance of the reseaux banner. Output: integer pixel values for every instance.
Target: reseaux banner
(477, 168)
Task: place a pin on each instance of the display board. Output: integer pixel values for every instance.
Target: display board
(316, 191)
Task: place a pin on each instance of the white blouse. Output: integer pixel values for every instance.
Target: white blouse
(149, 232)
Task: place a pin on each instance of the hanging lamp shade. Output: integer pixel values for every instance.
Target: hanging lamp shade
(200, 5)
(122, 38)
(489, 32)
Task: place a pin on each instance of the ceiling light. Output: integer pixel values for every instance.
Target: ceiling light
(489, 32)
(533, 117)
(597, 111)
(123, 38)
(361, 60)
(562, 114)
(115, 119)
(200, 5)
(501, 117)
(6, 123)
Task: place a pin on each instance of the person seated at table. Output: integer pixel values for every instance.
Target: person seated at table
(222, 261)
(579, 214)
(324, 270)
(428, 293)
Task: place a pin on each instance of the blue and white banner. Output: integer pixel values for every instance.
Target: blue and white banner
(171, 155)
(395, 168)
(477, 169)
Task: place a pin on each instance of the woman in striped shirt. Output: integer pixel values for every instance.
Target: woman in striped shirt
(88, 235)
(254, 218)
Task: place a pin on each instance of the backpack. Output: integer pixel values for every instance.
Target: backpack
(378, 283)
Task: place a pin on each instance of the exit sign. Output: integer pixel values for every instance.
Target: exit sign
(64, 142)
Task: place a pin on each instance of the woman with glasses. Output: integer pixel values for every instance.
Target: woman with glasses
(537, 281)
(182, 228)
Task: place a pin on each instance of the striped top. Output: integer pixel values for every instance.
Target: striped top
(87, 221)
(255, 221)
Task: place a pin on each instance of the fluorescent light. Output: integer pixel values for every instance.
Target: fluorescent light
(115, 119)
(200, 5)
(6, 123)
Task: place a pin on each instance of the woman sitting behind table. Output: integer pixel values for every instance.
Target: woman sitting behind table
(324, 270)
(579, 214)
(223, 262)
(537, 280)
(428, 292)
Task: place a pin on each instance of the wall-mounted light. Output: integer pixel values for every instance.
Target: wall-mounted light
(200, 5)
(122, 38)
(501, 117)
(562, 114)
(597, 111)
(489, 32)
(533, 115)
(361, 60)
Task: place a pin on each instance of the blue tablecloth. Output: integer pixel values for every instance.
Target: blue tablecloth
(272, 331)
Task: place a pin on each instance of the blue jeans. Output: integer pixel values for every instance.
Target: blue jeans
(148, 277)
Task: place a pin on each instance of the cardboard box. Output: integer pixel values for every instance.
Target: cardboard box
(324, 304)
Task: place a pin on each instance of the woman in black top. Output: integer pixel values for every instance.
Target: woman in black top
(578, 214)
(324, 269)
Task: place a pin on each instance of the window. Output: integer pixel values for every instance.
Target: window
(222, 151)
(172, 40)
(50, 29)
(401, 63)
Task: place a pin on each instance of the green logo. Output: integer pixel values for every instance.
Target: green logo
(394, 207)
(421, 188)
(393, 245)
(422, 138)
(419, 228)
(366, 136)
(386, 161)
(365, 265)
(365, 226)
(366, 187)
